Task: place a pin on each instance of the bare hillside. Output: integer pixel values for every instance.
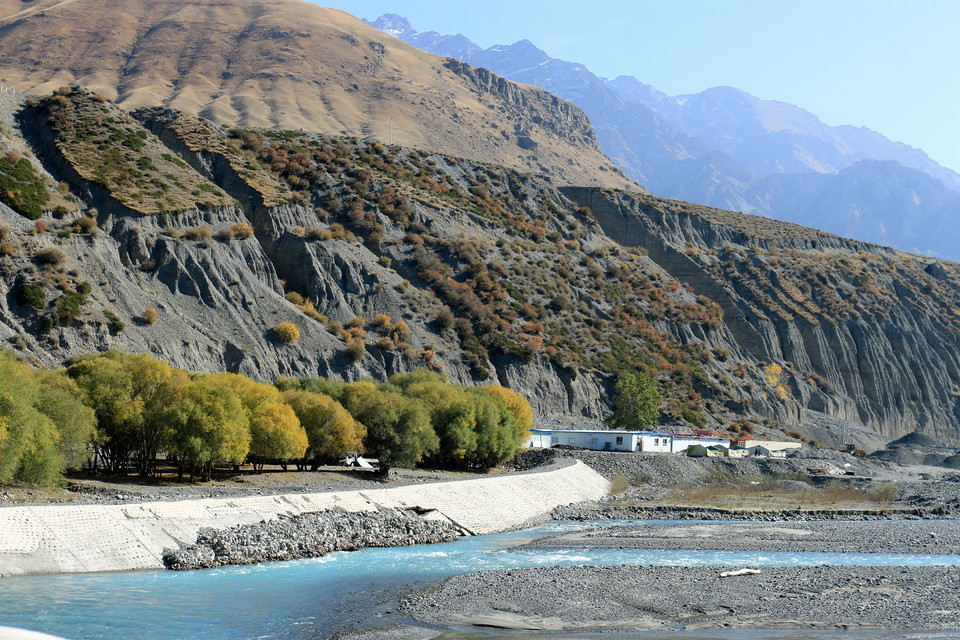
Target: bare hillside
(292, 65)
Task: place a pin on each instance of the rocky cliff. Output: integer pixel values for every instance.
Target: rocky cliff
(861, 332)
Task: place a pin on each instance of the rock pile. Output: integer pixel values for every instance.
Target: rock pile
(308, 535)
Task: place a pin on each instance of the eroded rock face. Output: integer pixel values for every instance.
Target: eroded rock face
(896, 369)
(757, 320)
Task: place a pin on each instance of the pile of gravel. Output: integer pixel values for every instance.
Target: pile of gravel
(899, 455)
(309, 535)
(914, 440)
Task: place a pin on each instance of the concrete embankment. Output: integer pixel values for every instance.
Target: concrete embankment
(85, 538)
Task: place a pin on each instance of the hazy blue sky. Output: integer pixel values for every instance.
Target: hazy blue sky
(888, 65)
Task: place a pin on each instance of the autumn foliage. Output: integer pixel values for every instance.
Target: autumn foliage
(132, 411)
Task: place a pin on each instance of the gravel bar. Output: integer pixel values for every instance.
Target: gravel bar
(308, 535)
(603, 599)
(924, 537)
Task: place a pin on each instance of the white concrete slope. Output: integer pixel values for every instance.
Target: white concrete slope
(82, 538)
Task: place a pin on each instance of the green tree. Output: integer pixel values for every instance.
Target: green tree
(499, 433)
(417, 376)
(275, 431)
(636, 403)
(207, 425)
(331, 430)
(28, 438)
(60, 399)
(109, 391)
(398, 428)
(129, 394)
(453, 417)
(332, 388)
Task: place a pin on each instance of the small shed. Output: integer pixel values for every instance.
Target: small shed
(697, 451)
(539, 438)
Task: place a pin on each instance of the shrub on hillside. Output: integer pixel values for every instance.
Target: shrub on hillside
(50, 255)
(86, 224)
(356, 349)
(32, 295)
(150, 316)
(287, 332)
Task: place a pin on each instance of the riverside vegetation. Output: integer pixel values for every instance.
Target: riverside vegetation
(130, 409)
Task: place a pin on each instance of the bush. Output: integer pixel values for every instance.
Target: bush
(287, 332)
(241, 230)
(150, 316)
(69, 307)
(21, 188)
(50, 255)
(115, 324)
(200, 234)
(32, 295)
(86, 224)
(444, 320)
(294, 298)
(356, 349)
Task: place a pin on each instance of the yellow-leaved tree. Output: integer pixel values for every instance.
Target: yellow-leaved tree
(331, 430)
(207, 425)
(517, 404)
(275, 431)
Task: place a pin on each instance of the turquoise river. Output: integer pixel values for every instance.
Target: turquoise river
(315, 598)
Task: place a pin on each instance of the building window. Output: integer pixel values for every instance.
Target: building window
(619, 439)
(555, 440)
(573, 441)
(593, 440)
(656, 442)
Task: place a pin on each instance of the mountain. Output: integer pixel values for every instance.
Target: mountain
(769, 136)
(158, 231)
(726, 148)
(293, 65)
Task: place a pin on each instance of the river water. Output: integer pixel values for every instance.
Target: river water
(311, 599)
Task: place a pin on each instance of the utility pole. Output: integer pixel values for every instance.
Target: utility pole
(391, 132)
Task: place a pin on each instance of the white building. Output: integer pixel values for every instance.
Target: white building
(603, 440)
(770, 445)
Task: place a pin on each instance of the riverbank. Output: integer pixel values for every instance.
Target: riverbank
(85, 538)
(658, 486)
(587, 599)
(606, 599)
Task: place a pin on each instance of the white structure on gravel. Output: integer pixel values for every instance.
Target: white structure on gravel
(602, 440)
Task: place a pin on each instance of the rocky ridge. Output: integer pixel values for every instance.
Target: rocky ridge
(726, 148)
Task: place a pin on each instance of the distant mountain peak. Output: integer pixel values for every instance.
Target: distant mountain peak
(393, 24)
(728, 148)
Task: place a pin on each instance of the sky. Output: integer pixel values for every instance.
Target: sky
(890, 65)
